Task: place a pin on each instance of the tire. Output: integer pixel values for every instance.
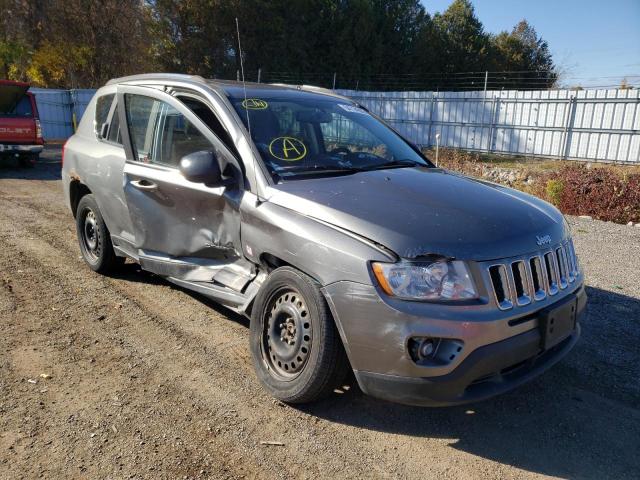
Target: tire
(296, 348)
(94, 238)
(29, 161)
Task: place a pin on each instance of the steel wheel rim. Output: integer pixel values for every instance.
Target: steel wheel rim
(287, 335)
(90, 236)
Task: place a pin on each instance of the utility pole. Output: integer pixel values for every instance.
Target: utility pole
(334, 80)
(486, 77)
(259, 72)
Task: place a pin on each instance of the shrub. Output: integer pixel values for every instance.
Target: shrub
(602, 192)
(554, 191)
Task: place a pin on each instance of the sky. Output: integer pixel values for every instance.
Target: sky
(593, 42)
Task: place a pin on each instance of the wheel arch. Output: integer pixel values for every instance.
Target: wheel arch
(77, 190)
(271, 262)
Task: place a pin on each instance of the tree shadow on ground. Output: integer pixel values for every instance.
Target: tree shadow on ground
(579, 420)
(48, 167)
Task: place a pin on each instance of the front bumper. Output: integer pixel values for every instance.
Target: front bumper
(486, 372)
(501, 350)
(9, 148)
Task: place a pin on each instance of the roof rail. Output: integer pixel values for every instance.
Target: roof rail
(314, 89)
(156, 76)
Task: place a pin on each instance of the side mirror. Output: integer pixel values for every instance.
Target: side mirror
(202, 167)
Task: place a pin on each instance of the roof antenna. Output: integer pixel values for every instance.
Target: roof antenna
(244, 86)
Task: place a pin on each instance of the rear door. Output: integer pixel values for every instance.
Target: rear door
(171, 216)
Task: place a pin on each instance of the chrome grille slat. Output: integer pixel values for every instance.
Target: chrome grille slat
(501, 286)
(561, 261)
(551, 269)
(539, 293)
(573, 267)
(521, 281)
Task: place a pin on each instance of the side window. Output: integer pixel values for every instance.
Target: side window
(176, 137)
(159, 133)
(114, 128)
(142, 113)
(103, 105)
(205, 114)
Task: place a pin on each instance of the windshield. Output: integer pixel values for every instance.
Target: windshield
(305, 134)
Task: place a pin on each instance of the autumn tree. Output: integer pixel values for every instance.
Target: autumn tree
(371, 44)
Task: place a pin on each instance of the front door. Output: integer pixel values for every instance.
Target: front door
(177, 223)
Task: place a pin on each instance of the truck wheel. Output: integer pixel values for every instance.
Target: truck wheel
(29, 161)
(297, 352)
(94, 238)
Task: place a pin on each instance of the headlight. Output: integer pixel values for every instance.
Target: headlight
(438, 280)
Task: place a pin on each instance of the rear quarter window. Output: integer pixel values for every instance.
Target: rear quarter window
(103, 105)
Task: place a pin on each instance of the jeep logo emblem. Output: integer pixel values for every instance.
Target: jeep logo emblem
(543, 240)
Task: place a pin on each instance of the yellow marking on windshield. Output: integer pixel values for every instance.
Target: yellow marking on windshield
(254, 104)
(289, 149)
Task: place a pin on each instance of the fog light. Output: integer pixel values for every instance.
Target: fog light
(426, 348)
(433, 351)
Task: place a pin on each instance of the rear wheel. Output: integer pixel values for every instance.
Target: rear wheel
(296, 348)
(94, 238)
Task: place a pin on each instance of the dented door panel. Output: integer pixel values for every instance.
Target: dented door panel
(181, 218)
(182, 229)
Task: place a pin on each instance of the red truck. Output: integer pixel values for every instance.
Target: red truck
(20, 130)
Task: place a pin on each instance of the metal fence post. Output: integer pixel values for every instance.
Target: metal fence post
(259, 74)
(433, 102)
(492, 125)
(334, 81)
(568, 127)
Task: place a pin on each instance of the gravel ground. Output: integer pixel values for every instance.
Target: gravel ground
(131, 377)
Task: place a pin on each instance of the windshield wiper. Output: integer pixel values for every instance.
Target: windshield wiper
(396, 164)
(302, 170)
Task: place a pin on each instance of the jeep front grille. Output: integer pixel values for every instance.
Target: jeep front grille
(533, 278)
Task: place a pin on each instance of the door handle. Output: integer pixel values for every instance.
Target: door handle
(144, 185)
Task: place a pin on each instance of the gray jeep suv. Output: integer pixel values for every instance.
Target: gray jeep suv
(344, 245)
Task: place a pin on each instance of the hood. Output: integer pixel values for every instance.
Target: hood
(421, 211)
(10, 94)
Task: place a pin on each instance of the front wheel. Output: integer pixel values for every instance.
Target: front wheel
(94, 238)
(296, 348)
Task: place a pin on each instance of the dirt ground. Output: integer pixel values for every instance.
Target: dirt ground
(131, 377)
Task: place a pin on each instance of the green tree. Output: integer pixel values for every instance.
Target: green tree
(464, 44)
(524, 52)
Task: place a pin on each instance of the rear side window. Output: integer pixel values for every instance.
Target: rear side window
(103, 105)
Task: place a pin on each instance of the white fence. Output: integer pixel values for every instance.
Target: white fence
(596, 125)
